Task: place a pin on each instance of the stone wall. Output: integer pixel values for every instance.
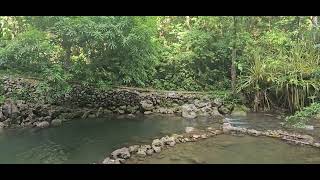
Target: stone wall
(86, 101)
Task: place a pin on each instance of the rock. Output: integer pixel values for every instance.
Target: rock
(111, 161)
(203, 136)
(86, 114)
(200, 104)
(56, 122)
(168, 140)
(157, 143)
(121, 153)
(43, 124)
(209, 128)
(146, 105)
(196, 136)
(226, 127)
(189, 129)
(188, 111)
(309, 127)
(147, 112)
(217, 102)
(156, 149)
(133, 149)
(253, 132)
(141, 153)
(131, 115)
(225, 109)
(2, 125)
(316, 145)
(2, 118)
(149, 152)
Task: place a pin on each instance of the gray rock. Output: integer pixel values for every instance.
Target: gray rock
(2, 118)
(149, 152)
(133, 149)
(43, 124)
(217, 102)
(189, 129)
(189, 111)
(226, 127)
(111, 161)
(168, 140)
(1, 125)
(157, 143)
(56, 122)
(121, 153)
(147, 112)
(253, 132)
(200, 104)
(141, 153)
(146, 105)
(156, 149)
(309, 127)
(316, 145)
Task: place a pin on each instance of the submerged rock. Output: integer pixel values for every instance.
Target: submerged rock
(189, 129)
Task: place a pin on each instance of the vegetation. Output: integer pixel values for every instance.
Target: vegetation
(265, 62)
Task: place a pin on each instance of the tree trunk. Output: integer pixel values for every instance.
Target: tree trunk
(67, 57)
(314, 20)
(233, 56)
(188, 22)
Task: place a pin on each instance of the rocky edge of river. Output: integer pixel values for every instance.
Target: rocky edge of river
(89, 102)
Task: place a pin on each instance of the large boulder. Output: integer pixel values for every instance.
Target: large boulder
(189, 111)
(146, 105)
(122, 153)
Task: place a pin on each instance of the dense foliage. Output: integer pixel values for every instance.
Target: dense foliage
(266, 62)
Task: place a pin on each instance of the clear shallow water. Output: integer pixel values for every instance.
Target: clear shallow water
(87, 141)
(91, 140)
(226, 149)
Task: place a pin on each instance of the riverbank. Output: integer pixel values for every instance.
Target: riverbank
(22, 107)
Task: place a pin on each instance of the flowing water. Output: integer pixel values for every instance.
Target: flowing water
(234, 150)
(88, 141)
(91, 140)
